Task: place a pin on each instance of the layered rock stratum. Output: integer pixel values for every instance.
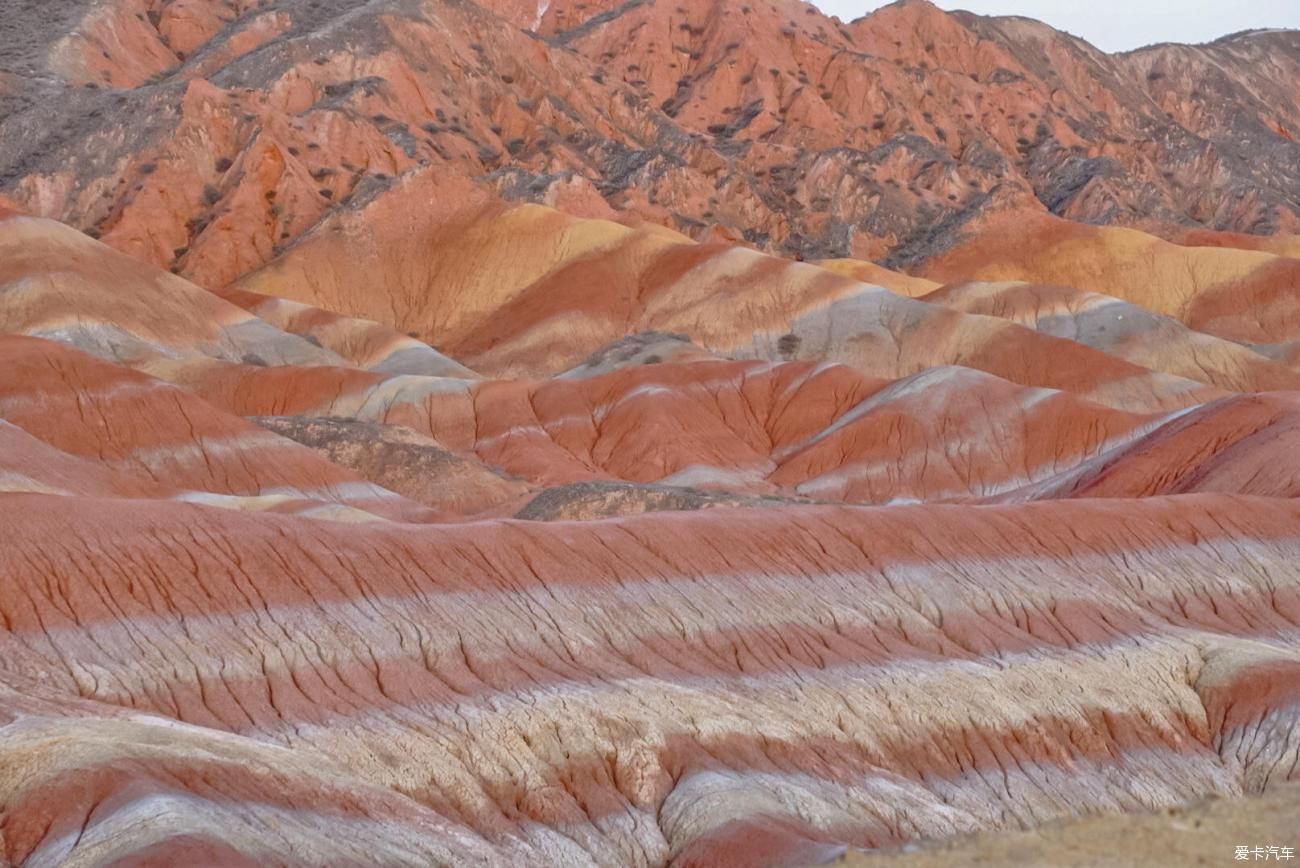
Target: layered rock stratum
(890, 138)
(440, 432)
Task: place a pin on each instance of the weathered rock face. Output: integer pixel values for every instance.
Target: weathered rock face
(531, 291)
(1246, 296)
(351, 513)
(1122, 329)
(885, 138)
(691, 645)
(403, 461)
(61, 285)
(632, 692)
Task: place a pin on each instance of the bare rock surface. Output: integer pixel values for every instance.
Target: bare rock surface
(643, 433)
(209, 135)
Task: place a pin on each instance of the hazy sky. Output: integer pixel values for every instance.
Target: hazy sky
(1118, 25)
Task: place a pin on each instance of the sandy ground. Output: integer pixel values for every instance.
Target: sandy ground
(1206, 833)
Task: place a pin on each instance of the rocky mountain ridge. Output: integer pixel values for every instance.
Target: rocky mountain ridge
(765, 122)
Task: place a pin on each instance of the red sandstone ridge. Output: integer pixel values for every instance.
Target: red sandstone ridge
(479, 621)
(642, 433)
(510, 293)
(889, 137)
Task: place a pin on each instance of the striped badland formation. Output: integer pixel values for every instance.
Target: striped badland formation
(470, 433)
